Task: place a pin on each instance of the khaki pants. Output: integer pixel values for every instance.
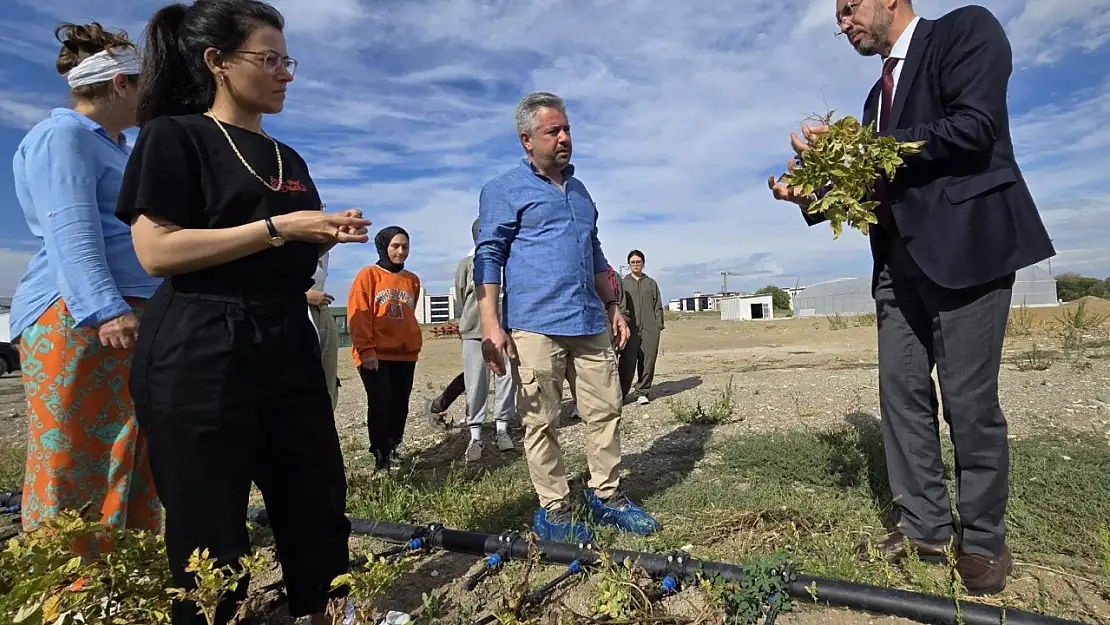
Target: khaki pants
(589, 363)
(329, 348)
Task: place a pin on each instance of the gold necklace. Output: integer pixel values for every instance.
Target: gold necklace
(277, 151)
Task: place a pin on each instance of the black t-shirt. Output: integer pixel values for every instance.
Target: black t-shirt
(184, 170)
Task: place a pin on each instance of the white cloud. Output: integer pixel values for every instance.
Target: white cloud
(23, 110)
(1044, 30)
(13, 263)
(680, 112)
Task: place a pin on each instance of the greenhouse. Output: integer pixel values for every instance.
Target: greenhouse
(1033, 287)
(845, 296)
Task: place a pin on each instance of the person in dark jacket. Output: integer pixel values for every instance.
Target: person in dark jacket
(954, 226)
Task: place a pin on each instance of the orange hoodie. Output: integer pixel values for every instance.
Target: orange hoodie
(381, 315)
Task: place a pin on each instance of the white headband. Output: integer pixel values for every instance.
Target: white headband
(103, 66)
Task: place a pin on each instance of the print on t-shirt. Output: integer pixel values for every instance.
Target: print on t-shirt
(288, 186)
(393, 299)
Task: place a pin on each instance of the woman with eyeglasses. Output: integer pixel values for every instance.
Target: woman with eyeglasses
(228, 381)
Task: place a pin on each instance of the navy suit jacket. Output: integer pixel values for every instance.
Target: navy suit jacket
(961, 205)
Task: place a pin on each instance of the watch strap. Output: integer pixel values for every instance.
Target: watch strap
(272, 228)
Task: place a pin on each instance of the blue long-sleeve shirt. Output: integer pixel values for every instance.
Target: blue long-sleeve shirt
(67, 178)
(545, 240)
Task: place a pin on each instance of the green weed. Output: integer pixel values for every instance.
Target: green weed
(718, 412)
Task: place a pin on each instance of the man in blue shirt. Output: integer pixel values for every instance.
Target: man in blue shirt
(538, 225)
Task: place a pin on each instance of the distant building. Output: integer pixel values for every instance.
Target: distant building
(434, 309)
(746, 307)
(698, 302)
(1033, 287)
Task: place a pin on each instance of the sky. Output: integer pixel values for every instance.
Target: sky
(679, 112)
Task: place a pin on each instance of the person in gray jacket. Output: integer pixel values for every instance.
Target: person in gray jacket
(644, 306)
(476, 372)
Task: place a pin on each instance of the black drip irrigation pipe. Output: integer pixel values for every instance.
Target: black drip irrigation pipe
(929, 609)
(10, 502)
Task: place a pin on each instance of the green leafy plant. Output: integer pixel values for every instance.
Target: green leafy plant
(761, 591)
(718, 412)
(213, 583)
(850, 158)
(77, 570)
(365, 588)
(617, 596)
(45, 579)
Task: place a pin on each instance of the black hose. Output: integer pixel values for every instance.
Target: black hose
(929, 609)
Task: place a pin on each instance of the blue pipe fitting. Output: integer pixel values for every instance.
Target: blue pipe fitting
(669, 584)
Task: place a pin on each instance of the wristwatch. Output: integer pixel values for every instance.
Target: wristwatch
(612, 303)
(276, 239)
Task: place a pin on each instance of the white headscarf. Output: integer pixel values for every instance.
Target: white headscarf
(103, 66)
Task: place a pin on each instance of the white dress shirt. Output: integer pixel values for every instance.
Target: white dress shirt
(899, 51)
(319, 278)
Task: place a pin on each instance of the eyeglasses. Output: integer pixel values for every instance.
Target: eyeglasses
(848, 11)
(272, 61)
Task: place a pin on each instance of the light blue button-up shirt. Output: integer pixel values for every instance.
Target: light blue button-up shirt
(545, 240)
(68, 173)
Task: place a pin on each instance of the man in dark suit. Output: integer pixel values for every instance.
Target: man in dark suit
(955, 225)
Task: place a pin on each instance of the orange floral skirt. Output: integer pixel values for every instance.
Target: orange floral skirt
(84, 449)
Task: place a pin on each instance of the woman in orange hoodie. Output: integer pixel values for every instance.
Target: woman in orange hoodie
(386, 341)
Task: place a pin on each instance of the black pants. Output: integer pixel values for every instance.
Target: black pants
(456, 388)
(922, 326)
(387, 402)
(231, 390)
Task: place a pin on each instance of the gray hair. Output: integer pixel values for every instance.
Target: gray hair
(531, 104)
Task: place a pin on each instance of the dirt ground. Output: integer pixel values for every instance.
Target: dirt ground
(786, 374)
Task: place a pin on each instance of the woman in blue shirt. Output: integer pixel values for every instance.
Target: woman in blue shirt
(75, 311)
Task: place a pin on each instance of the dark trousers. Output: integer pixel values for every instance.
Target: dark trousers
(637, 360)
(387, 402)
(230, 390)
(922, 325)
(456, 388)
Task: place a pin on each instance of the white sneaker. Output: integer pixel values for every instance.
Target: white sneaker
(643, 400)
(504, 442)
(474, 451)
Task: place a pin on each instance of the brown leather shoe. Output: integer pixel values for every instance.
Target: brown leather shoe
(893, 548)
(985, 575)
